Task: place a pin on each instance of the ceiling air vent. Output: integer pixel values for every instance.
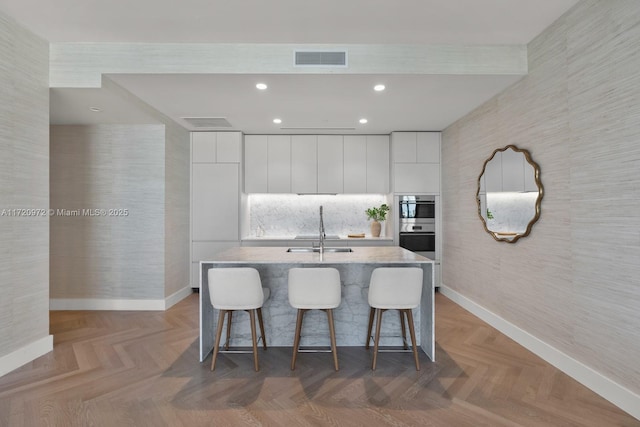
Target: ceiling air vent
(207, 122)
(309, 58)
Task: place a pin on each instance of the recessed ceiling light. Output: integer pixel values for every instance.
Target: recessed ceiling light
(261, 86)
(277, 121)
(95, 109)
(363, 121)
(378, 88)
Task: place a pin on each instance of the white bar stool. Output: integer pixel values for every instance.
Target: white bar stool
(394, 288)
(233, 289)
(314, 289)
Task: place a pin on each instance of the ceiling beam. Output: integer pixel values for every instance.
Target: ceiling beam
(81, 65)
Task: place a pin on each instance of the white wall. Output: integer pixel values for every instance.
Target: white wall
(574, 283)
(24, 184)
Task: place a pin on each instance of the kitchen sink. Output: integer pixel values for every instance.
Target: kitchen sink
(316, 237)
(309, 250)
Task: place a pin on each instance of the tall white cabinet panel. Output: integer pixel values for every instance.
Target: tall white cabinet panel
(215, 195)
(378, 164)
(279, 164)
(304, 164)
(355, 164)
(215, 189)
(330, 164)
(255, 164)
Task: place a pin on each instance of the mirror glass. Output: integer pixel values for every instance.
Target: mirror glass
(509, 194)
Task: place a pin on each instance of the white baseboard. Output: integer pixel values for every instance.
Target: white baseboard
(25, 354)
(119, 304)
(620, 396)
(176, 297)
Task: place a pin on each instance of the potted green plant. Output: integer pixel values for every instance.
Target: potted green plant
(377, 215)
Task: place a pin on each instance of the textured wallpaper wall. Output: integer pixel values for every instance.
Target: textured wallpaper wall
(108, 167)
(575, 281)
(24, 184)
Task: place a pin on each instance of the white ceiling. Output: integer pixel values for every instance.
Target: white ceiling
(411, 102)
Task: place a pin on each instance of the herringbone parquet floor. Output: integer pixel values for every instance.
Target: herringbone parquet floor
(142, 369)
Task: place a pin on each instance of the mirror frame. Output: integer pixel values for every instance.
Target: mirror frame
(536, 170)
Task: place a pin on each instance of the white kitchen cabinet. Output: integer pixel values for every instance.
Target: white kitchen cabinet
(220, 147)
(203, 147)
(427, 147)
(215, 201)
(330, 164)
(215, 195)
(228, 147)
(529, 178)
(404, 147)
(416, 162)
(317, 164)
(304, 164)
(355, 164)
(255, 163)
(378, 164)
(279, 164)
(416, 178)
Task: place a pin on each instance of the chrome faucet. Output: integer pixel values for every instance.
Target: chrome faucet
(322, 234)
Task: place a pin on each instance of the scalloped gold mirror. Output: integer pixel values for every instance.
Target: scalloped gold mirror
(509, 194)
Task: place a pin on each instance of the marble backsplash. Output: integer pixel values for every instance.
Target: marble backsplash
(511, 211)
(291, 214)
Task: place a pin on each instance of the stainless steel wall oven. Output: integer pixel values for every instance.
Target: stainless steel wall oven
(418, 224)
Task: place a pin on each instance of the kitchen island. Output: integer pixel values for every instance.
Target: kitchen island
(351, 318)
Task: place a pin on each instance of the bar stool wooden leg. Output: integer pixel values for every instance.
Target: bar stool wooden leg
(332, 333)
(261, 323)
(296, 339)
(252, 319)
(377, 339)
(371, 313)
(226, 345)
(216, 347)
(404, 330)
(413, 337)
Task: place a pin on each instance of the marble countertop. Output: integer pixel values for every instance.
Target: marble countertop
(341, 238)
(360, 255)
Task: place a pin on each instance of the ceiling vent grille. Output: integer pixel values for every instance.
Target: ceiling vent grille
(335, 58)
(207, 122)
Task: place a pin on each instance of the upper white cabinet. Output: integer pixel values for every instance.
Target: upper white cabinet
(317, 164)
(255, 163)
(304, 164)
(378, 164)
(330, 164)
(216, 147)
(355, 164)
(279, 164)
(267, 161)
(416, 162)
